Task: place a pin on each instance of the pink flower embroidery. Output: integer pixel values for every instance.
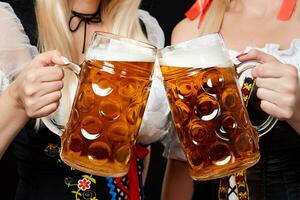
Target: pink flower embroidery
(84, 184)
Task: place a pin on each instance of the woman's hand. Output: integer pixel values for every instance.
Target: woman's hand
(38, 87)
(277, 84)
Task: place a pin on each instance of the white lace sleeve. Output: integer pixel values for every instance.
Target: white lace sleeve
(15, 49)
(155, 34)
(173, 148)
(157, 120)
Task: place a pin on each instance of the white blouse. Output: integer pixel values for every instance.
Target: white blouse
(173, 149)
(15, 49)
(16, 52)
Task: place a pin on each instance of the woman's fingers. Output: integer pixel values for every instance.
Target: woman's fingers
(257, 55)
(46, 110)
(49, 87)
(277, 104)
(35, 105)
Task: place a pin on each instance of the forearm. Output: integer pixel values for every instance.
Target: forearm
(177, 185)
(13, 118)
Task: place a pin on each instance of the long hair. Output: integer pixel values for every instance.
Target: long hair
(119, 16)
(214, 16)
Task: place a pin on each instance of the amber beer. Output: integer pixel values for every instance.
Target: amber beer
(113, 87)
(111, 100)
(210, 118)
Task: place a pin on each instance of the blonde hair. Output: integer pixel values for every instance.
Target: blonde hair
(214, 16)
(120, 17)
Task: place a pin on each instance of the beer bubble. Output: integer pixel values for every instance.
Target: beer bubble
(133, 113)
(244, 119)
(185, 87)
(110, 109)
(219, 153)
(99, 151)
(230, 98)
(195, 159)
(183, 111)
(91, 127)
(119, 132)
(228, 126)
(122, 155)
(197, 131)
(74, 119)
(212, 81)
(86, 99)
(76, 143)
(244, 143)
(102, 87)
(129, 90)
(207, 107)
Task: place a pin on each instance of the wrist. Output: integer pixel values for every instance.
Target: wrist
(13, 96)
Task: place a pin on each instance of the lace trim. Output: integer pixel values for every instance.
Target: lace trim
(275, 48)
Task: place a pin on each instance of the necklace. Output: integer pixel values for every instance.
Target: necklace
(86, 19)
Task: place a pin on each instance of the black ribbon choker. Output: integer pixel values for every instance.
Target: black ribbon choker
(86, 19)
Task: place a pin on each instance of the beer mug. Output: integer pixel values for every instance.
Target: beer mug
(210, 117)
(113, 86)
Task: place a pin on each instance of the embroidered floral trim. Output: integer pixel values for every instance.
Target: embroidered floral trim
(82, 189)
(52, 150)
(240, 177)
(84, 184)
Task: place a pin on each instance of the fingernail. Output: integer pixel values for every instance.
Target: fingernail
(240, 55)
(65, 60)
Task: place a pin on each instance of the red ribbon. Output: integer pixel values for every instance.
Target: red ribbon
(133, 179)
(198, 10)
(286, 10)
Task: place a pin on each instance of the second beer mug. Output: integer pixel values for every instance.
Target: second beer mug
(209, 114)
(111, 96)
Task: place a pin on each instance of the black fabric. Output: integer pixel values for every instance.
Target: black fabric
(206, 190)
(277, 175)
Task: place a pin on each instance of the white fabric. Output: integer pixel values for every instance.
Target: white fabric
(288, 56)
(15, 49)
(232, 195)
(154, 32)
(156, 122)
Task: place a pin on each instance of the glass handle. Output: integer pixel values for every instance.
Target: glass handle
(48, 120)
(243, 71)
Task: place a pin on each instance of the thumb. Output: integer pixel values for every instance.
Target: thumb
(257, 55)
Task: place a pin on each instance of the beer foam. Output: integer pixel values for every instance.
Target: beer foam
(120, 51)
(203, 52)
